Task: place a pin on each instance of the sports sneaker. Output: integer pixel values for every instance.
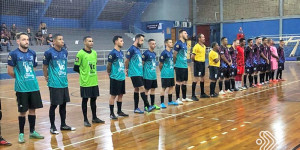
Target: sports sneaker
(262, 83)
(172, 103)
(138, 111)
(54, 130)
(270, 80)
(229, 92)
(113, 117)
(214, 95)
(254, 85)
(187, 100)
(240, 89)
(235, 89)
(156, 107)
(97, 120)
(245, 87)
(195, 98)
(179, 101)
(204, 96)
(4, 142)
(149, 109)
(258, 84)
(68, 128)
(21, 138)
(163, 106)
(222, 92)
(122, 114)
(87, 124)
(35, 135)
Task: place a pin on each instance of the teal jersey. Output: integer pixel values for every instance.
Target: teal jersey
(57, 67)
(23, 63)
(135, 67)
(167, 70)
(116, 58)
(149, 59)
(181, 59)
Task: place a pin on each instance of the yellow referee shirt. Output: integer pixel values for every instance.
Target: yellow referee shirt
(212, 56)
(199, 52)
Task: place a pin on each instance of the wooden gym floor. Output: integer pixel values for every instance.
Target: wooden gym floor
(231, 122)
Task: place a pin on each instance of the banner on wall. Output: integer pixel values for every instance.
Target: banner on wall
(154, 26)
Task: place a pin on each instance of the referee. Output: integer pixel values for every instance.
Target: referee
(55, 72)
(198, 56)
(21, 64)
(86, 66)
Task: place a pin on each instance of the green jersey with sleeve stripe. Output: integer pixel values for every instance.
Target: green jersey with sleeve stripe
(181, 60)
(135, 67)
(87, 62)
(117, 67)
(149, 59)
(167, 70)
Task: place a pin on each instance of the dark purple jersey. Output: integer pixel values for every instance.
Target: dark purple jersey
(256, 54)
(233, 53)
(269, 52)
(263, 49)
(249, 56)
(224, 51)
(280, 52)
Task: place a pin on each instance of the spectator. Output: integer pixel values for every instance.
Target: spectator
(3, 27)
(4, 42)
(7, 34)
(30, 36)
(13, 32)
(49, 40)
(39, 38)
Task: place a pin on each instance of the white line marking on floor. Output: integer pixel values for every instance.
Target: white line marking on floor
(242, 125)
(233, 129)
(203, 142)
(224, 133)
(214, 119)
(202, 107)
(230, 120)
(214, 137)
(200, 117)
(190, 147)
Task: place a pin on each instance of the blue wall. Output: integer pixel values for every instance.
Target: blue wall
(21, 21)
(291, 26)
(165, 24)
(251, 29)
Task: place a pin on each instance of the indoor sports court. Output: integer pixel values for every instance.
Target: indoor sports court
(250, 103)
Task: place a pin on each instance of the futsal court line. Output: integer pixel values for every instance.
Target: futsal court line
(202, 107)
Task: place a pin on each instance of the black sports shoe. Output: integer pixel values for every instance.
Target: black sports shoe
(204, 96)
(195, 98)
(113, 117)
(97, 120)
(53, 130)
(87, 124)
(122, 114)
(66, 127)
(214, 95)
(235, 89)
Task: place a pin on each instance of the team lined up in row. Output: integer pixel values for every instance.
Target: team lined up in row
(224, 63)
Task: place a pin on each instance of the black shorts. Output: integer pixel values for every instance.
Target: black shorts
(262, 67)
(137, 81)
(167, 82)
(150, 84)
(233, 72)
(117, 87)
(255, 67)
(280, 66)
(29, 100)
(181, 74)
(199, 69)
(89, 92)
(213, 73)
(248, 70)
(224, 73)
(59, 96)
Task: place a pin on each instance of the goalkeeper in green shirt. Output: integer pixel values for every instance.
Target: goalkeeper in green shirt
(86, 66)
